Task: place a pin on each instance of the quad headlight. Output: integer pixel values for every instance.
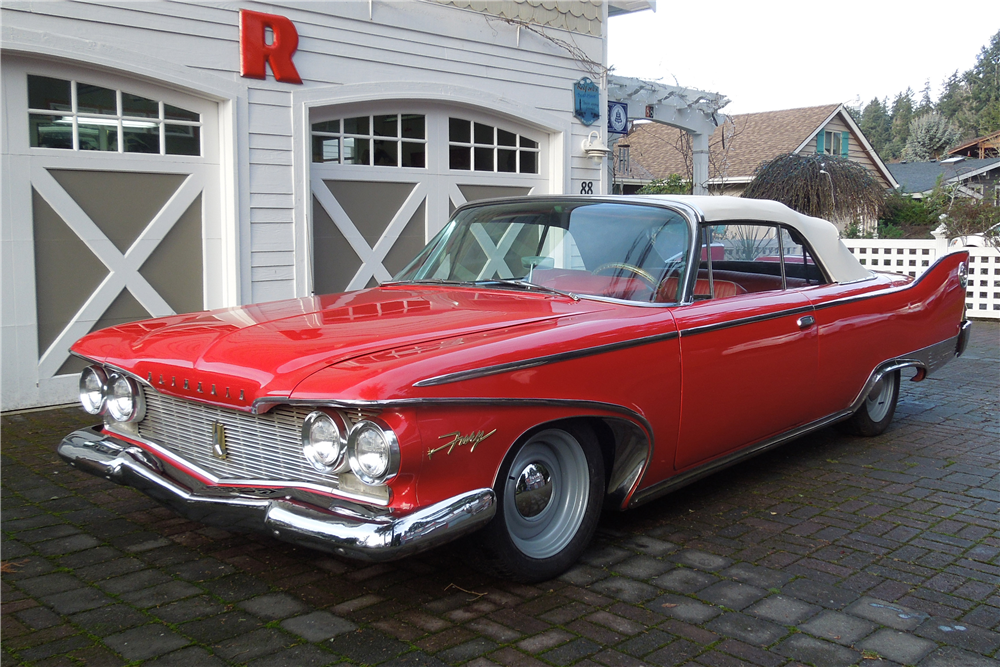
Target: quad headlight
(124, 399)
(373, 451)
(93, 384)
(324, 441)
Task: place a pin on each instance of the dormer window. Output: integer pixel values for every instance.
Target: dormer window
(829, 142)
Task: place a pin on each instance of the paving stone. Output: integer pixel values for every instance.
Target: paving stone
(185, 610)
(701, 560)
(145, 642)
(38, 618)
(28, 568)
(676, 653)
(684, 580)
(624, 589)
(583, 575)
(304, 655)
(317, 626)
(467, 651)
(367, 646)
(202, 569)
(134, 581)
(162, 594)
(274, 606)
(187, 657)
(245, 648)
(645, 643)
(77, 600)
(51, 648)
(65, 545)
(816, 652)
(732, 594)
(545, 641)
(950, 656)
(236, 587)
(109, 620)
(755, 575)
(50, 584)
(898, 646)
(961, 635)
(837, 627)
(109, 569)
(416, 659)
(213, 629)
(572, 652)
(887, 613)
(819, 593)
(747, 628)
(604, 555)
(783, 610)
(641, 567)
(684, 608)
(648, 545)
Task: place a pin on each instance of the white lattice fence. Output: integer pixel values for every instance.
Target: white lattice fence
(913, 257)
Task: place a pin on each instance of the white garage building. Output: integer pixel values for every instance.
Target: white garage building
(148, 170)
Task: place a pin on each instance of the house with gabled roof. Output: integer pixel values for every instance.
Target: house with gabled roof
(981, 147)
(973, 178)
(740, 144)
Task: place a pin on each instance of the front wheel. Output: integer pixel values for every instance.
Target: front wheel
(875, 413)
(549, 495)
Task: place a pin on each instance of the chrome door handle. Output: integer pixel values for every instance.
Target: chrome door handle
(806, 321)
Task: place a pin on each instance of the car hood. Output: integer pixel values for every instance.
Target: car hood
(235, 356)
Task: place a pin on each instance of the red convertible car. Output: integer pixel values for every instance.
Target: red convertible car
(542, 359)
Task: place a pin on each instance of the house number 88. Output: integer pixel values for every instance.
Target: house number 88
(587, 188)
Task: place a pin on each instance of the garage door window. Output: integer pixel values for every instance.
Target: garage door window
(393, 140)
(79, 116)
(481, 147)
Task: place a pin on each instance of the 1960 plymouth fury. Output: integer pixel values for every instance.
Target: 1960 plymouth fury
(541, 359)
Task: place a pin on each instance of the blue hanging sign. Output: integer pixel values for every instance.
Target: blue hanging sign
(617, 118)
(586, 101)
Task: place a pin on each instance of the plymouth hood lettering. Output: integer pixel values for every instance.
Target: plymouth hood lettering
(266, 349)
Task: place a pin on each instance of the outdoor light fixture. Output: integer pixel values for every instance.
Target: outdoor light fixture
(594, 147)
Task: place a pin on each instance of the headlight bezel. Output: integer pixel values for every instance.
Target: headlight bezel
(308, 445)
(137, 408)
(392, 456)
(102, 377)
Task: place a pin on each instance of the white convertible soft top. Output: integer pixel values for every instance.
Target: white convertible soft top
(839, 262)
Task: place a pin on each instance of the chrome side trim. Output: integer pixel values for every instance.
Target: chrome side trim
(673, 483)
(541, 361)
(708, 328)
(328, 530)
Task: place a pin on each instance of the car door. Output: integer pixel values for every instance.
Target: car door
(749, 353)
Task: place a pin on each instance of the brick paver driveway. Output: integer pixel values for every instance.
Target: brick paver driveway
(829, 551)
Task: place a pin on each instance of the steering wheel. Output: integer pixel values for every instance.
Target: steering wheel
(642, 273)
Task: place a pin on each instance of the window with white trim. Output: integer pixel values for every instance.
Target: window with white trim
(481, 147)
(384, 140)
(80, 116)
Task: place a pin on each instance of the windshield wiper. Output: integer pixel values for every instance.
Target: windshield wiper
(426, 281)
(517, 282)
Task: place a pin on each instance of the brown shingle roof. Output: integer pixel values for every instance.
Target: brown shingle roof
(754, 137)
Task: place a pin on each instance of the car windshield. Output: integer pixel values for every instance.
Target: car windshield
(623, 251)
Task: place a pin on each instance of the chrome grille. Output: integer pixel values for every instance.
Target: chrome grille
(259, 447)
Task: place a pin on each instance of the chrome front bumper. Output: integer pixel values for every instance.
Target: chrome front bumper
(341, 532)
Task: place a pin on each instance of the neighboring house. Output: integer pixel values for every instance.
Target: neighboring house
(980, 147)
(973, 178)
(741, 143)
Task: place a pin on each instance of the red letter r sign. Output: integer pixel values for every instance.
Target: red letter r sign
(254, 52)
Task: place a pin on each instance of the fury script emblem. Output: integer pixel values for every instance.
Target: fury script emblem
(458, 440)
(218, 441)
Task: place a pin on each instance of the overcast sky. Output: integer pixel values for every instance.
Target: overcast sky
(766, 55)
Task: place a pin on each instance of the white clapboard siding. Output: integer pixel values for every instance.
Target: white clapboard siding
(340, 43)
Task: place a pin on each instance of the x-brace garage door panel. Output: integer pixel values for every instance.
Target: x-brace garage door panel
(371, 218)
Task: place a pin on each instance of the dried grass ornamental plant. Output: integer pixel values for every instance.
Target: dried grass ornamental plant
(823, 186)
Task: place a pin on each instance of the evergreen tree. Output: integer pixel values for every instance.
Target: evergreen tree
(902, 114)
(984, 88)
(930, 137)
(926, 104)
(876, 124)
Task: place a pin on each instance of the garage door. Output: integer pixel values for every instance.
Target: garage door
(386, 178)
(114, 191)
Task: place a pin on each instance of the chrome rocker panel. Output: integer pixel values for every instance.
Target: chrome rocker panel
(342, 533)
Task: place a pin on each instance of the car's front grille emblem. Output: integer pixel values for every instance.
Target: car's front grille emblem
(218, 441)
